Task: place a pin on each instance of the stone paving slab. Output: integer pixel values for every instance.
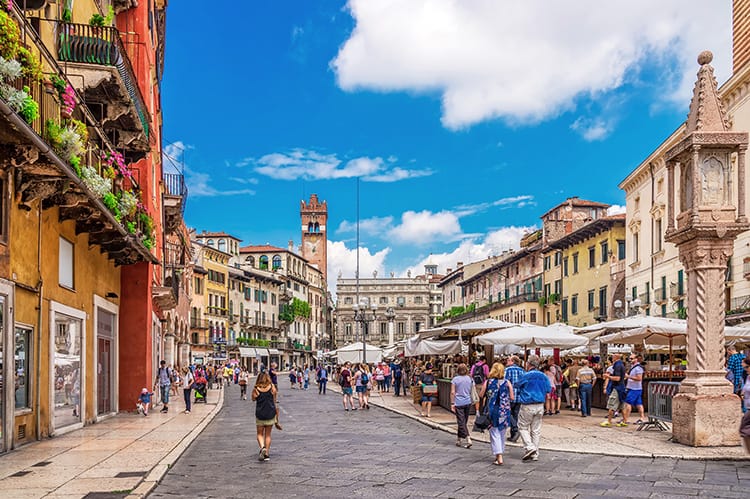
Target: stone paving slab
(90, 459)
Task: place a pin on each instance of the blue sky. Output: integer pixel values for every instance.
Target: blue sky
(464, 121)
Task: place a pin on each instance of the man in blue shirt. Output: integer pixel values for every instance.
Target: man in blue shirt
(734, 363)
(513, 372)
(531, 392)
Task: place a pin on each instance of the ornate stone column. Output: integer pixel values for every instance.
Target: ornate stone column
(705, 412)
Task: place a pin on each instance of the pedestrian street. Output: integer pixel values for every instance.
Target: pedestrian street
(324, 451)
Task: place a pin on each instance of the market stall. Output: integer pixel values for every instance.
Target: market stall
(353, 353)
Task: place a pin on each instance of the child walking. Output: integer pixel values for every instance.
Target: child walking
(144, 401)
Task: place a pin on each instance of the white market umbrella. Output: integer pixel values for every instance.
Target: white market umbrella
(353, 353)
(532, 336)
(485, 325)
(431, 347)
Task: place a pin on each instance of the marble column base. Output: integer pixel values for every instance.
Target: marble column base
(706, 420)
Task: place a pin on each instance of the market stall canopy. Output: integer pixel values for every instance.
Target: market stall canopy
(634, 321)
(353, 353)
(414, 346)
(669, 334)
(552, 336)
(484, 325)
(248, 352)
(393, 351)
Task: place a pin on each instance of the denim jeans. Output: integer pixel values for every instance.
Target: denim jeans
(164, 392)
(397, 386)
(586, 392)
(514, 409)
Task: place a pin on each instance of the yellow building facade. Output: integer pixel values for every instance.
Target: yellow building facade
(592, 270)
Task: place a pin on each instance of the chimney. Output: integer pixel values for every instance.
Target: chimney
(448, 270)
(740, 34)
(459, 265)
(290, 246)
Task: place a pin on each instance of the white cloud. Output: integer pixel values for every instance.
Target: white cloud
(311, 165)
(494, 243)
(199, 185)
(615, 209)
(528, 61)
(374, 225)
(246, 181)
(343, 260)
(424, 226)
(591, 129)
(503, 203)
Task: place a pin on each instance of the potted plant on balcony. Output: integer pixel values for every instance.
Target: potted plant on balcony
(68, 97)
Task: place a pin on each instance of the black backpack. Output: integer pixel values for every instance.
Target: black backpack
(478, 375)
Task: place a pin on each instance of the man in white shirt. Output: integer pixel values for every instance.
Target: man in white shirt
(634, 393)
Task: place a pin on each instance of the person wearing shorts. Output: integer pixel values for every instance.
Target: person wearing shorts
(634, 393)
(427, 379)
(345, 380)
(615, 386)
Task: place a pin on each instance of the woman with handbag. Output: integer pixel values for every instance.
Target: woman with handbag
(461, 401)
(499, 396)
(428, 385)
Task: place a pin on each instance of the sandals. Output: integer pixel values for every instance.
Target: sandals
(497, 463)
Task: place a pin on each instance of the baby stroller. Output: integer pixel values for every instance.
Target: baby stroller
(200, 386)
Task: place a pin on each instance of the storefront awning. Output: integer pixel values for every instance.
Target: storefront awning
(262, 352)
(273, 351)
(247, 352)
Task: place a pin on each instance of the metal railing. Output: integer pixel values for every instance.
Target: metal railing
(660, 294)
(197, 323)
(523, 298)
(174, 183)
(645, 298)
(677, 289)
(103, 46)
(740, 304)
(660, 395)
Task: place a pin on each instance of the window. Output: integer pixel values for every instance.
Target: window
(532, 316)
(636, 255)
(263, 263)
(273, 298)
(592, 305)
(348, 329)
(401, 301)
(620, 249)
(222, 246)
(603, 301)
(565, 266)
(680, 282)
(575, 262)
(546, 263)
(418, 300)
(383, 329)
(348, 300)
(546, 290)
(558, 258)
(657, 235)
(664, 310)
(400, 328)
(663, 287)
(634, 292)
(66, 264)
(383, 300)
(210, 242)
(22, 368)
(605, 251)
(417, 326)
(250, 260)
(276, 262)
(558, 287)
(574, 305)
(592, 257)
(565, 310)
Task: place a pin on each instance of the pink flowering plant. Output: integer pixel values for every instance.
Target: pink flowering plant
(68, 97)
(7, 5)
(116, 162)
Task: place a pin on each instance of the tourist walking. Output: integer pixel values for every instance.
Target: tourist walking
(585, 379)
(380, 377)
(514, 372)
(531, 392)
(615, 389)
(387, 375)
(499, 396)
(163, 383)
(345, 380)
(397, 375)
(461, 386)
(480, 371)
(186, 381)
(264, 395)
(293, 378)
(745, 424)
(322, 380)
(428, 385)
(244, 378)
(737, 373)
(634, 391)
(306, 376)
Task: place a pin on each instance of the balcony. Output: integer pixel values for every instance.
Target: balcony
(175, 197)
(108, 83)
(217, 311)
(660, 295)
(676, 290)
(196, 323)
(66, 161)
(534, 296)
(645, 298)
(166, 297)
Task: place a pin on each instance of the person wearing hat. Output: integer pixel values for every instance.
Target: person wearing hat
(144, 401)
(428, 384)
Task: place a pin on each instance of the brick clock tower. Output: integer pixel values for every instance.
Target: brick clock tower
(314, 216)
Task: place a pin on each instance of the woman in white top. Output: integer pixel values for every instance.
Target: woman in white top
(186, 381)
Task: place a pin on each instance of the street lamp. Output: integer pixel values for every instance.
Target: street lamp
(630, 304)
(362, 316)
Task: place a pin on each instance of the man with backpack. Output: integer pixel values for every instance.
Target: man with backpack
(163, 382)
(397, 375)
(345, 380)
(480, 371)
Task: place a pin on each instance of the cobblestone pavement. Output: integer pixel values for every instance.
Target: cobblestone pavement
(327, 452)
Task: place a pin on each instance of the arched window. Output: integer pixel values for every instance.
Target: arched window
(250, 260)
(222, 245)
(263, 263)
(276, 262)
(210, 242)
(310, 227)
(317, 227)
